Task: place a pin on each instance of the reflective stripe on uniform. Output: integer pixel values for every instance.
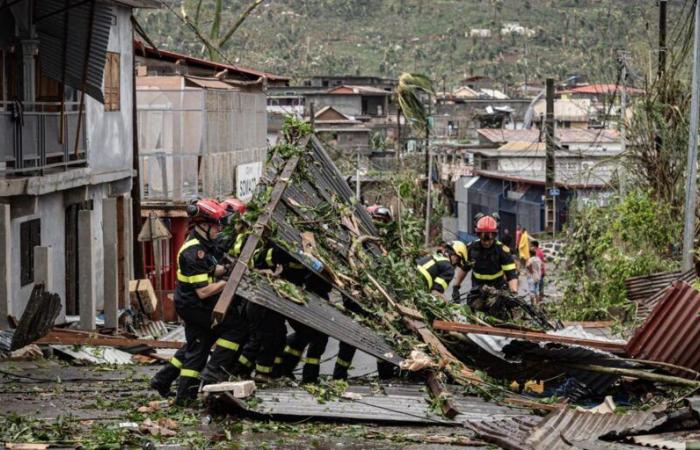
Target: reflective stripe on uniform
(314, 361)
(507, 267)
(245, 361)
(291, 351)
(176, 362)
(199, 278)
(238, 244)
(482, 276)
(441, 282)
(263, 369)
(189, 373)
(268, 258)
(295, 265)
(225, 343)
(278, 360)
(342, 362)
(423, 271)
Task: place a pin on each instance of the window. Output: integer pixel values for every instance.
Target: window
(29, 237)
(111, 82)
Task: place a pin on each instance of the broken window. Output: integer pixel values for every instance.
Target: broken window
(29, 237)
(111, 82)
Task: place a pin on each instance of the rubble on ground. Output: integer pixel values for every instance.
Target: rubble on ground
(511, 383)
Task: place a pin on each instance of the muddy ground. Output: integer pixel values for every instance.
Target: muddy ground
(50, 400)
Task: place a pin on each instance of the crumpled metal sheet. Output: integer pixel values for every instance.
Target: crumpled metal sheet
(509, 433)
(642, 287)
(6, 340)
(155, 329)
(38, 317)
(676, 440)
(176, 335)
(320, 315)
(95, 355)
(671, 333)
(563, 428)
(400, 404)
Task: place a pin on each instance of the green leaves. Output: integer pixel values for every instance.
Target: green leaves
(409, 92)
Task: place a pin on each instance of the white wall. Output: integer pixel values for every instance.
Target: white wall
(109, 134)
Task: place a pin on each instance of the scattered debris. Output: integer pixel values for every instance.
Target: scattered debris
(143, 297)
(38, 317)
(27, 353)
(162, 427)
(153, 406)
(94, 355)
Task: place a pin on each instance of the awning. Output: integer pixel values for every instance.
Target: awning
(73, 33)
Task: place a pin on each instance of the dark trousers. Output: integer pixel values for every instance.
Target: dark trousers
(296, 342)
(232, 335)
(266, 340)
(199, 338)
(346, 353)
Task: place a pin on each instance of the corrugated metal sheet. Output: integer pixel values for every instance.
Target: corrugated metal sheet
(6, 340)
(38, 317)
(403, 404)
(694, 404)
(152, 330)
(641, 288)
(565, 426)
(510, 433)
(673, 440)
(63, 47)
(95, 355)
(671, 333)
(321, 316)
(177, 334)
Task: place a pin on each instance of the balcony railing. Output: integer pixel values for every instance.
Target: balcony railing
(30, 138)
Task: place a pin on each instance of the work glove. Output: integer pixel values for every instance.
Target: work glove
(456, 295)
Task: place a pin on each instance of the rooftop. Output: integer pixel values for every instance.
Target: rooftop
(564, 135)
(358, 90)
(600, 89)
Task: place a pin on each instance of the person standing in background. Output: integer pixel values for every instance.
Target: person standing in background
(540, 254)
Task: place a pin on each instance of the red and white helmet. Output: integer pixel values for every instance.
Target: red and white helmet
(486, 224)
(207, 210)
(233, 205)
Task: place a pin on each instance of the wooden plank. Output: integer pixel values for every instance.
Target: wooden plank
(439, 392)
(589, 324)
(61, 337)
(531, 336)
(241, 266)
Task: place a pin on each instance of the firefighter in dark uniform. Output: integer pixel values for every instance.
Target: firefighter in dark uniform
(195, 296)
(438, 269)
(233, 332)
(382, 218)
(490, 262)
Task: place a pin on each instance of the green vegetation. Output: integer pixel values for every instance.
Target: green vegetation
(634, 235)
(301, 38)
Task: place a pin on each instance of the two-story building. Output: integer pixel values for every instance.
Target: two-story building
(66, 154)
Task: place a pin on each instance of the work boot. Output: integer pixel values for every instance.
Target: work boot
(262, 378)
(187, 391)
(213, 376)
(163, 380)
(386, 370)
(340, 372)
(289, 363)
(310, 373)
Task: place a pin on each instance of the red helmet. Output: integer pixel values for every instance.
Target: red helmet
(486, 224)
(233, 205)
(207, 210)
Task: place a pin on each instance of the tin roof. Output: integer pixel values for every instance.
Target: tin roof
(601, 89)
(671, 333)
(563, 427)
(145, 50)
(642, 287)
(564, 135)
(358, 90)
(537, 179)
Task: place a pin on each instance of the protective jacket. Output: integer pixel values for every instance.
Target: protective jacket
(196, 263)
(492, 266)
(436, 270)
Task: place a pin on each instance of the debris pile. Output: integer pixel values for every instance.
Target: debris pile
(513, 382)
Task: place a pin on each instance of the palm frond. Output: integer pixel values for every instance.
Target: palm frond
(409, 91)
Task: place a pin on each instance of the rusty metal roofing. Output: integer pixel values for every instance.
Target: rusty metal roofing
(670, 440)
(403, 404)
(671, 333)
(320, 315)
(642, 287)
(509, 433)
(563, 427)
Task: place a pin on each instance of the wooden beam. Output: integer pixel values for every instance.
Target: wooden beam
(62, 337)
(241, 266)
(439, 392)
(531, 336)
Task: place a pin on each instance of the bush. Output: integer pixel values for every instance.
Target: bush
(631, 236)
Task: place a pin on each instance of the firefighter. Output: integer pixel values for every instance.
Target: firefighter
(233, 332)
(195, 296)
(490, 262)
(438, 269)
(380, 214)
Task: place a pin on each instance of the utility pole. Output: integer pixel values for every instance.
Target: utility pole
(357, 176)
(662, 38)
(623, 124)
(429, 168)
(551, 191)
(691, 182)
(312, 114)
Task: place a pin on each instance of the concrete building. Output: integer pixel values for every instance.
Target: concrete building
(66, 134)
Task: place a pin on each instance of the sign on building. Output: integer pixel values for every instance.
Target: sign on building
(247, 176)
